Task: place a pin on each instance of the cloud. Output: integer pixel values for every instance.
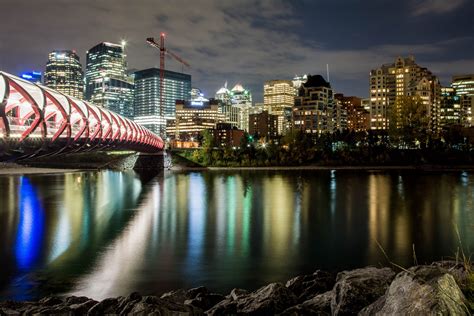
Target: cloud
(248, 41)
(423, 7)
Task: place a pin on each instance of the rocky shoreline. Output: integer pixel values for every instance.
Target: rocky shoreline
(442, 288)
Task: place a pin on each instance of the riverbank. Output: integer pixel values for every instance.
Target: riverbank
(441, 288)
(16, 169)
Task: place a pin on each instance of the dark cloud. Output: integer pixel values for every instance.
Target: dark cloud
(248, 41)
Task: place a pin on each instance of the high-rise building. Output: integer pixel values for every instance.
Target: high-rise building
(230, 112)
(107, 82)
(64, 73)
(298, 81)
(358, 118)
(32, 76)
(450, 108)
(278, 99)
(464, 85)
(263, 124)
(147, 108)
(192, 118)
(314, 107)
(241, 98)
(402, 78)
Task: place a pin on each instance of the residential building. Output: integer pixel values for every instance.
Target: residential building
(314, 106)
(227, 135)
(464, 86)
(64, 73)
(402, 78)
(107, 82)
(264, 125)
(147, 108)
(193, 117)
(278, 99)
(357, 118)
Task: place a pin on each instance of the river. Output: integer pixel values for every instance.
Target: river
(106, 233)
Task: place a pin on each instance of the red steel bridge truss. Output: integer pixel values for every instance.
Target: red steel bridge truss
(38, 121)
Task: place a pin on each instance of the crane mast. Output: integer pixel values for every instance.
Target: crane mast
(163, 51)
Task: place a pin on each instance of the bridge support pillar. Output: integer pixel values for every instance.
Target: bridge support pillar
(150, 162)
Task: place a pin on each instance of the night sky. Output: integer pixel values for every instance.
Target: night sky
(248, 41)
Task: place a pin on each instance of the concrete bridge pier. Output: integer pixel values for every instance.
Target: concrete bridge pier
(150, 162)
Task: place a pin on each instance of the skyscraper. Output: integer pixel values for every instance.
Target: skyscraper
(107, 82)
(450, 109)
(64, 73)
(230, 112)
(278, 99)
(177, 86)
(402, 78)
(314, 107)
(242, 99)
(464, 86)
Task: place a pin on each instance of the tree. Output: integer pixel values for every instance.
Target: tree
(409, 121)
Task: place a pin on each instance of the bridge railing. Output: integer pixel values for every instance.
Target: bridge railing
(30, 112)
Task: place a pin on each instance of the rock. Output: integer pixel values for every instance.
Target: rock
(225, 307)
(458, 270)
(126, 304)
(422, 290)
(307, 286)
(358, 288)
(268, 300)
(318, 305)
(236, 293)
(180, 296)
(107, 306)
(154, 305)
(205, 301)
(82, 308)
(50, 301)
(77, 300)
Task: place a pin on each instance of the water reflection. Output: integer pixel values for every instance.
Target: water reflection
(105, 234)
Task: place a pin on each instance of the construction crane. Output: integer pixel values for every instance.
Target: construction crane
(163, 52)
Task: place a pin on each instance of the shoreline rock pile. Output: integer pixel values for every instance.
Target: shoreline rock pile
(437, 289)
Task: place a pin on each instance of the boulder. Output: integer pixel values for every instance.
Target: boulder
(154, 305)
(227, 306)
(318, 305)
(358, 288)
(181, 295)
(421, 290)
(107, 306)
(307, 286)
(458, 270)
(268, 300)
(205, 301)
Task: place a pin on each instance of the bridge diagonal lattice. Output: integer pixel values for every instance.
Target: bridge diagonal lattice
(37, 121)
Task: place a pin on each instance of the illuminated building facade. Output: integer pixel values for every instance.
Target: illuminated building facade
(278, 99)
(402, 78)
(227, 135)
(64, 73)
(314, 107)
(192, 117)
(242, 99)
(357, 118)
(32, 76)
(230, 112)
(450, 109)
(177, 86)
(264, 124)
(107, 82)
(464, 86)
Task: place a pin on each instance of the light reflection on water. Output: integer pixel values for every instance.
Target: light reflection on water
(107, 234)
